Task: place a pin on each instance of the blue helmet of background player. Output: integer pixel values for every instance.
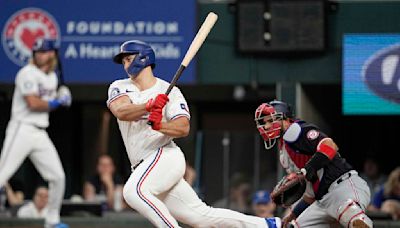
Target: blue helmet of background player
(44, 44)
(261, 197)
(144, 56)
(268, 117)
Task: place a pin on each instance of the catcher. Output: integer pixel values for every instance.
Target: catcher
(324, 186)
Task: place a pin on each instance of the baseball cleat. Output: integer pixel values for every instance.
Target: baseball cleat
(58, 225)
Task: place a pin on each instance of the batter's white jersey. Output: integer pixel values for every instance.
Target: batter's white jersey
(31, 80)
(133, 132)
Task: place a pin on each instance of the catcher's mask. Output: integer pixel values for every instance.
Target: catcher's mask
(144, 56)
(268, 117)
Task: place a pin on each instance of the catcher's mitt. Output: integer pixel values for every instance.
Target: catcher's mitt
(288, 190)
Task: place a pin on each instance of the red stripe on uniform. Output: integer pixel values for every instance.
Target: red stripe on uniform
(347, 207)
(115, 98)
(359, 213)
(147, 200)
(354, 190)
(297, 224)
(179, 116)
(315, 185)
(299, 160)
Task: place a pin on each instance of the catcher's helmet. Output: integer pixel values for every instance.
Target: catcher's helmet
(284, 108)
(144, 55)
(43, 44)
(268, 117)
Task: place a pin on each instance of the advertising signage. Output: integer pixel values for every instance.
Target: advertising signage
(90, 33)
(371, 74)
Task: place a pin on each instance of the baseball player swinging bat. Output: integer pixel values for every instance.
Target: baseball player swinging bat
(193, 48)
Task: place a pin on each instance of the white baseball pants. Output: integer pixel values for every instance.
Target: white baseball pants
(157, 190)
(24, 140)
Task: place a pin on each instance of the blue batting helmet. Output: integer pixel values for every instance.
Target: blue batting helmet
(144, 55)
(43, 44)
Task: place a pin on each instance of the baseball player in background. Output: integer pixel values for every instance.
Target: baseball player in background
(35, 95)
(335, 193)
(156, 188)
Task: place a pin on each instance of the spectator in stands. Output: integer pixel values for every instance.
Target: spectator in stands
(262, 204)
(387, 199)
(372, 175)
(239, 195)
(105, 186)
(37, 208)
(14, 193)
(190, 174)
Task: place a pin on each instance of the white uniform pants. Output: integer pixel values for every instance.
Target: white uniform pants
(157, 190)
(23, 140)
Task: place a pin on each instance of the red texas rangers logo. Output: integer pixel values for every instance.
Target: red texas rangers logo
(23, 28)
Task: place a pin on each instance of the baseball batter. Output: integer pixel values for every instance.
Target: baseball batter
(335, 192)
(156, 187)
(35, 95)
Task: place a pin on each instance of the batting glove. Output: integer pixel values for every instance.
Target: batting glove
(149, 104)
(65, 101)
(159, 102)
(64, 96)
(155, 118)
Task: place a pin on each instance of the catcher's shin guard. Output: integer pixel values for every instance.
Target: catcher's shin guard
(350, 214)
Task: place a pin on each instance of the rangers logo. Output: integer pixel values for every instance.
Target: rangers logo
(114, 92)
(23, 28)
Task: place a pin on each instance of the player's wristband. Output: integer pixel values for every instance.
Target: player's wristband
(327, 150)
(300, 207)
(53, 104)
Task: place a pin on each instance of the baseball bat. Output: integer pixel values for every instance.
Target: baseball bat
(60, 70)
(193, 48)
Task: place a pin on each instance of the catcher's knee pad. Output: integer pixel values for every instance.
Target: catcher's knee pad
(350, 214)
